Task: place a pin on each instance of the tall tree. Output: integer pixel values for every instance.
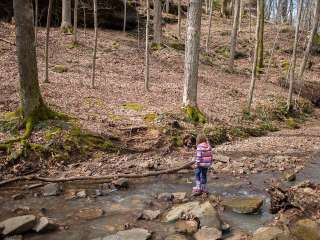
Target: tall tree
(234, 33)
(75, 21)
(146, 66)
(66, 16)
(294, 57)
(261, 34)
(95, 43)
(31, 101)
(167, 6)
(36, 9)
(124, 15)
(210, 23)
(255, 59)
(179, 19)
(192, 53)
(316, 17)
(46, 80)
(157, 21)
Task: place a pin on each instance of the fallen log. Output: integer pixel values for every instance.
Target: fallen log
(107, 178)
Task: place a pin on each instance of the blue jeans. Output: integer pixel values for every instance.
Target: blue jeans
(201, 175)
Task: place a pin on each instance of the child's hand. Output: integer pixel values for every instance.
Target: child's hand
(194, 166)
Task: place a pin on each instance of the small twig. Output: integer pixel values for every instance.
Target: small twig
(6, 41)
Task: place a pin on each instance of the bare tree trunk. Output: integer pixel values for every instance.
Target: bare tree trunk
(167, 6)
(261, 35)
(146, 70)
(66, 16)
(250, 25)
(255, 59)
(192, 53)
(84, 19)
(294, 58)
(30, 95)
(233, 40)
(291, 12)
(157, 22)
(179, 19)
(310, 41)
(46, 80)
(95, 43)
(138, 28)
(124, 15)
(210, 23)
(75, 21)
(207, 6)
(36, 21)
(240, 15)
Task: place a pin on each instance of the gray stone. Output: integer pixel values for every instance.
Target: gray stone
(187, 226)
(207, 215)
(208, 234)
(52, 189)
(121, 183)
(89, 213)
(165, 197)
(18, 225)
(245, 205)
(82, 194)
(135, 233)
(176, 237)
(306, 229)
(271, 233)
(150, 215)
(44, 225)
(290, 176)
(179, 196)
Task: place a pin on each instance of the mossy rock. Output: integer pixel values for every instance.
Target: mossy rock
(292, 123)
(175, 44)
(73, 45)
(60, 68)
(194, 115)
(115, 45)
(306, 229)
(156, 46)
(133, 106)
(216, 135)
(150, 117)
(177, 141)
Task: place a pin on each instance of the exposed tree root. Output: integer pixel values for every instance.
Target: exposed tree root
(105, 178)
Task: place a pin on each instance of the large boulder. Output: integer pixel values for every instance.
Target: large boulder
(205, 212)
(18, 225)
(135, 233)
(44, 224)
(244, 205)
(271, 233)
(208, 234)
(306, 229)
(150, 215)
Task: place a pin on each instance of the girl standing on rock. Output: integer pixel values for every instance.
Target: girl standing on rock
(202, 163)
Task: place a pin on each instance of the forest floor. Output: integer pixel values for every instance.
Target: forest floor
(143, 121)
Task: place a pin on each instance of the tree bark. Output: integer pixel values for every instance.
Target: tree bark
(255, 59)
(234, 34)
(179, 19)
(192, 53)
(261, 34)
(75, 22)
(36, 9)
(146, 67)
(30, 95)
(46, 80)
(66, 16)
(210, 23)
(167, 6)
(294, 58)
(95, 43)
(124, 15)
(157, 22)
(84, 19)
(310, 41)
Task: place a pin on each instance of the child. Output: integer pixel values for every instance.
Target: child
(202, 164)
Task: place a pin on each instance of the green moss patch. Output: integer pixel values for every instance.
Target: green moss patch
(150, 117)
(194, 115)
(60, 68)
(216, 135)
(133, 106)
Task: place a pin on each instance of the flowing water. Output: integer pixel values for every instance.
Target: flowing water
(122, 207)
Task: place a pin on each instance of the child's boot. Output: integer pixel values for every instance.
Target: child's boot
(204, 188)
(197, 189)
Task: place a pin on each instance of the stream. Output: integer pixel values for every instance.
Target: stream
(122, 207)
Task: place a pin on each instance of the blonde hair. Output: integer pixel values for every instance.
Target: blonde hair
(201, 138)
